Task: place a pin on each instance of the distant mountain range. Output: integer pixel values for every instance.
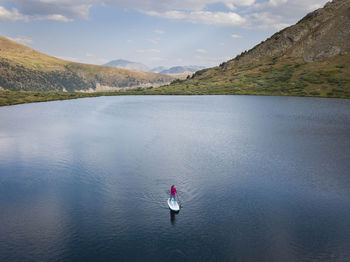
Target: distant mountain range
(121, 63)
(181, 70)
(158, 69)
(22, 68)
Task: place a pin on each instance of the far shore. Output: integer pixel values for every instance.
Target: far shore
(8, 98)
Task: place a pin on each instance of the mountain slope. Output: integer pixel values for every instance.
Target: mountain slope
(120, 63)
(311, 58)
(22, 68)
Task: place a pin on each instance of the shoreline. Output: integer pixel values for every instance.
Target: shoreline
(8, 98)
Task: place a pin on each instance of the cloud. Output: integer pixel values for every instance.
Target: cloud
(267, 14)
(188, 10)
(230, 6)
(202, 17)
(89, 55)
(55, 17)
(278, 14)
(236, 36)
(11, 15)
(277, 2)
(16, 15)
(66, 8)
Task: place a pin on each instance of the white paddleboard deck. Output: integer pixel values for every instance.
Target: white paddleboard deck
(173, 205)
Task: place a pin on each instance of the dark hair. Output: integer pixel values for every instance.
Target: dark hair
(172, 186)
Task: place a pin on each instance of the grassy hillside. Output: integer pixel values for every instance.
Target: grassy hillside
(276, 76)
(22, 68)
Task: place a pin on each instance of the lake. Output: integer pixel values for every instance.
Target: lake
(259, 179)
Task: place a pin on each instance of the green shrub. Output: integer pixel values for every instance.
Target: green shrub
(337, 81)
(311, 77)
(315, 93)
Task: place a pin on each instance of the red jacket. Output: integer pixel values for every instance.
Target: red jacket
(173, 191)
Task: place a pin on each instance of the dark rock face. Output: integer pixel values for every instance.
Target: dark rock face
(320, 34)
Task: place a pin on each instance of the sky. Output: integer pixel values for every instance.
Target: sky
(152, 32)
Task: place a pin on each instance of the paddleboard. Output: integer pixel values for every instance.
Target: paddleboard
(173, 205)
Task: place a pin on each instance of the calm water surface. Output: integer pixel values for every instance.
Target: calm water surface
(259, 179)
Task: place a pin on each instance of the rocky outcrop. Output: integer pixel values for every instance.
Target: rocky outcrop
(321, 34)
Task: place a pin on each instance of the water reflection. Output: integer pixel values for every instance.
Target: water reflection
(89, 179)
(173, 217)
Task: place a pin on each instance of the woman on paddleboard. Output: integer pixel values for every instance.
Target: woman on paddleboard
(172, 192)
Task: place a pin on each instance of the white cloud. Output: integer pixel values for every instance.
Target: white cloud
(202, 17)
(269, 14)
(89, 55)
(55, 17)
(22, 40)
(66, 8)
(15, 15)
(236, 36)
(278, 14)
(277, 2)
(230, 6)
(11, 15)
(189, 10)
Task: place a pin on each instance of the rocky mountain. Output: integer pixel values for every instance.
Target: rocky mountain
(120, 63)
(321, 34)
(310, 58)
(22, 68)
